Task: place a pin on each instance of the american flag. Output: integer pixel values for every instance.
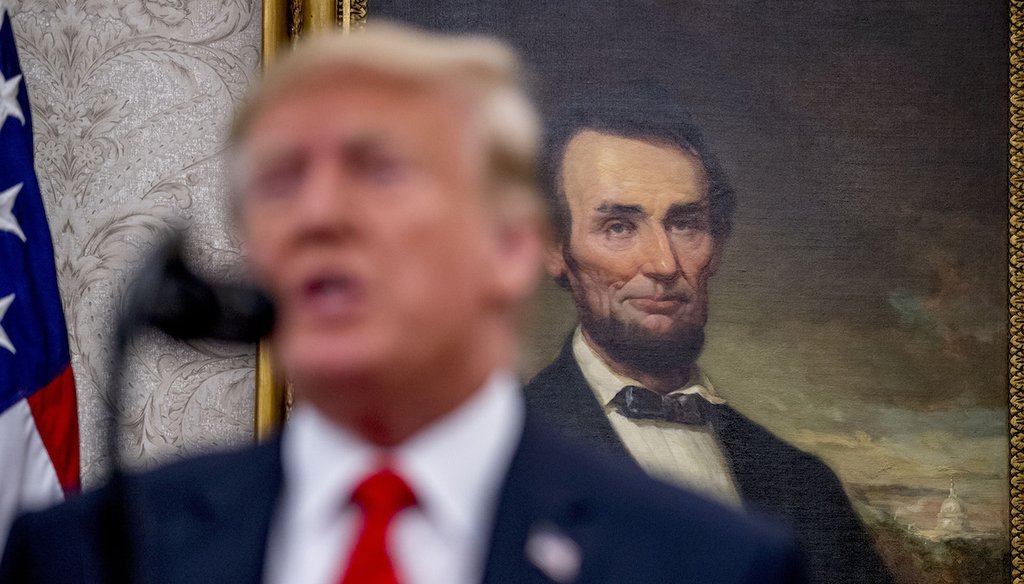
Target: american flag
(39, 459)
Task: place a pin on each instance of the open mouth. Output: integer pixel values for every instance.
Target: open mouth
(331, 296)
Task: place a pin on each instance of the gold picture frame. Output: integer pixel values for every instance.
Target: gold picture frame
(283, 22)
(286, 20)
(1016, 288)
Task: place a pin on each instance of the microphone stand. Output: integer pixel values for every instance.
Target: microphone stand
(115, 531)
(118, 526)
(170, 297)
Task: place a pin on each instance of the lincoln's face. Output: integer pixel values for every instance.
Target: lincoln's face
(640, 249)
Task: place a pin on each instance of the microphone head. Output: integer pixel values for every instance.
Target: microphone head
(167, 295)
(246, 314)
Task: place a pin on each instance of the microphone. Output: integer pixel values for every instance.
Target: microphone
(171, 297)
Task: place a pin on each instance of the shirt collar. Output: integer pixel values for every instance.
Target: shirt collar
(458, 465)
(606, 383)
(455, 466)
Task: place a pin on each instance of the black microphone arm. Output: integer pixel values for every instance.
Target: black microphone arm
(167, 295)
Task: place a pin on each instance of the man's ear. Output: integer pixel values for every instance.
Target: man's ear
(716, 258)
(554, 261)
(518, 250)
(556, 264)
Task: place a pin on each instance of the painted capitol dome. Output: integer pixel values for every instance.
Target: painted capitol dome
(952, 515)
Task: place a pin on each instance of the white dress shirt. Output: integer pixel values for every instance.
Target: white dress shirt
(455, 467)
(683, 454)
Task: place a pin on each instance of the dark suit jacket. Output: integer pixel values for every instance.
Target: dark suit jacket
(771, 475)
(206, 520)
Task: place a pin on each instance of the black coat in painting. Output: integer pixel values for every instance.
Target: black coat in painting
(772, 476)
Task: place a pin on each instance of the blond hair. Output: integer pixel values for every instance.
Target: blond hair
(484, 66)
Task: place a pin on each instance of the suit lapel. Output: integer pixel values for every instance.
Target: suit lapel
(730, 430)
(538, 511)
(754, 455)
(561, 394)
(213, 528)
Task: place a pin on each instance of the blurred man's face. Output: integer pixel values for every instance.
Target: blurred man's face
(363, 212)
(640, 248)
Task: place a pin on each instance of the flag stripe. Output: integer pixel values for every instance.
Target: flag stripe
(55, 410)
(27, 480)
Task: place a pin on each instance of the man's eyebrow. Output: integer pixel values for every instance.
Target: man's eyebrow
(362, 145)
(620, 209)
(688, 208)
(363, 141)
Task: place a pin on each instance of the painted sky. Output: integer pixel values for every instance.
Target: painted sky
(860, 311)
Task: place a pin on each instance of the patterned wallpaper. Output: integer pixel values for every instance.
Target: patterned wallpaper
(130, 102)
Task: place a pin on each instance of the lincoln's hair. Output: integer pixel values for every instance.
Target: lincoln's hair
(481, 69)
(641, 110)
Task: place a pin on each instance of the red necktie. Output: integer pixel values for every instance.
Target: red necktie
(380, 496)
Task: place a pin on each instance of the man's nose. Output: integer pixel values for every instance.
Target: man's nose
(325, 202)
(659, 258)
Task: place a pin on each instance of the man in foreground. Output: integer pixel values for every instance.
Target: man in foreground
(385, 196)
(643, 211)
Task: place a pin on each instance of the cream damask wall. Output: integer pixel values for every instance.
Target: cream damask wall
(130, 101)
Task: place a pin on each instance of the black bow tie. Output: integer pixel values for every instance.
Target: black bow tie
(643, 404)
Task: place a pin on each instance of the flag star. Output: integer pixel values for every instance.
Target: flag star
(9, 105)
(8, 222)
(5, 341)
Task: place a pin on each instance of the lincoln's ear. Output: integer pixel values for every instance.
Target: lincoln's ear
(554, 261)
(716, 258)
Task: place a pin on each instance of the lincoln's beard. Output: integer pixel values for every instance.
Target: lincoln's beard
(636, 348)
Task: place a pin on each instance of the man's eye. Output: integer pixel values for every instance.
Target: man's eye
(385, 170)
(277, 183)
(619, 228)
(688, 224)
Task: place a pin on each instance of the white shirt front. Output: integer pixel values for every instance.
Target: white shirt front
(683, 454)
(455, 467)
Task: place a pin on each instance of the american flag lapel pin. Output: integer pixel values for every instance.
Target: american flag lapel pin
(554, 553)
